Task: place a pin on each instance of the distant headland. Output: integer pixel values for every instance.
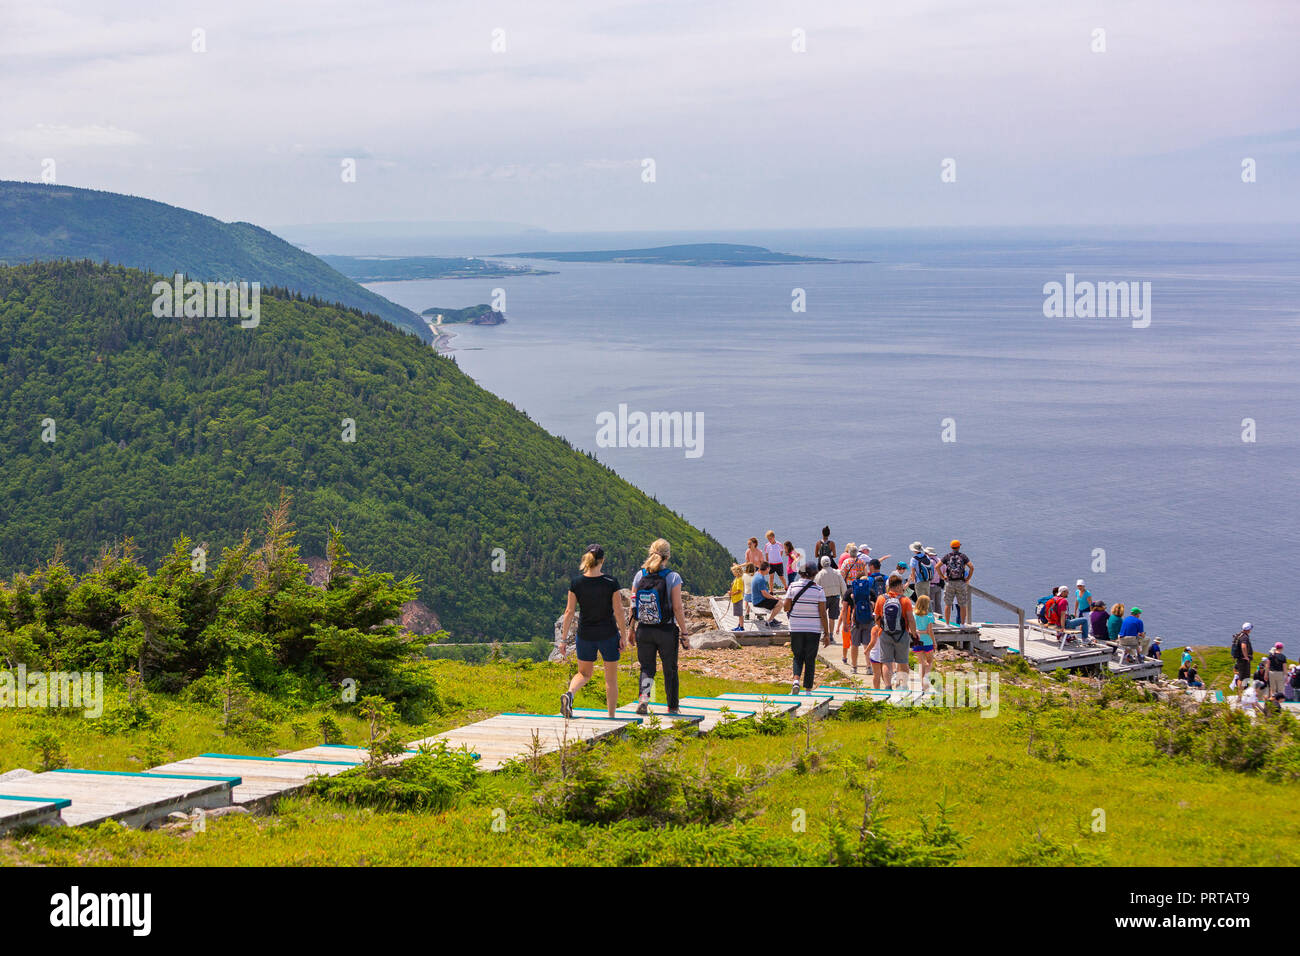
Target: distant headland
(702, 254)
(404, 268)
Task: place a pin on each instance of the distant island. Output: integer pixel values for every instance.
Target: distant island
(707, 254)
(474, 315)
(403, 268)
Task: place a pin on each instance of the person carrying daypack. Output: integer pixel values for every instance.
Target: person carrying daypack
(957, 571)
(862, 598)
(1242, 652)
(920, 571)
(658, 624)
(825, 548)
(897, 624)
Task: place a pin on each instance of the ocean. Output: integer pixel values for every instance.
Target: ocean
(924, 394)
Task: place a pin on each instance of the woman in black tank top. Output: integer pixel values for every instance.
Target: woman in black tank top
(602, 628)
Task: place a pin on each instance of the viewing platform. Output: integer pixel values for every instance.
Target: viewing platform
(1037, 644)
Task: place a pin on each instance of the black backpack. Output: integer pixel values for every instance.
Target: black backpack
(824, 550)
(891, 617)
(924, 570)
(954, 566)
(1236, 647)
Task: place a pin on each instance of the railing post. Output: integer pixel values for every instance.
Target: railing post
(1021, 616)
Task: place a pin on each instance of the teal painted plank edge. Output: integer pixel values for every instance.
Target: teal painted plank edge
(233, 781)
(58, 802)
(332, 763)
(674, 716)
(621, 720)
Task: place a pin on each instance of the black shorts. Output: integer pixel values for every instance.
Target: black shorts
(777, 569)
(766, 603)
(1241, 667)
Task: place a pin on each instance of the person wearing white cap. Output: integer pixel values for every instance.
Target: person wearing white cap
(1082, 599)
(1242, 653)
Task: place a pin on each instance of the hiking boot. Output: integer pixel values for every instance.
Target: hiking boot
(642, 707)
(566, 704)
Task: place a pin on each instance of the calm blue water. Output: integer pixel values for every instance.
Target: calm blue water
(1072, 434)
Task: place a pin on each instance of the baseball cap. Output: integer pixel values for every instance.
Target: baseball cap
(1078, 582)
(954, 543)
(1246, 626)
(1136, 610)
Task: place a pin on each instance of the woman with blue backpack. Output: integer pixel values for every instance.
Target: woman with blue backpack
(658, 624)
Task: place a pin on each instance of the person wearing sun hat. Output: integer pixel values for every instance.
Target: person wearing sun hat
(920, 571)
(936, 580)
(1276, 669)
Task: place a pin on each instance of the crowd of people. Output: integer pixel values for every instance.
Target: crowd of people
(827, 592)
(1272, 682)
(1065, 612)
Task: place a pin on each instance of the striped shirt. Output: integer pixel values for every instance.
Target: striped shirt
(804, 616)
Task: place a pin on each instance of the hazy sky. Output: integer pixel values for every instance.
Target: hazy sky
(744, 131)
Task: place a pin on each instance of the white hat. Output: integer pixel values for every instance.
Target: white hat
(1079, 583)
(1246, 626)
(931, 552)
(865, 547)
(916, 546)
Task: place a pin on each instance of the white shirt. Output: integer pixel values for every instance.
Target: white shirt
(804, 616)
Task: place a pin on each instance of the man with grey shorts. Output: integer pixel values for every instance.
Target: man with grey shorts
(897, 629)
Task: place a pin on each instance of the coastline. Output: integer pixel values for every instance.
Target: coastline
(442, 340)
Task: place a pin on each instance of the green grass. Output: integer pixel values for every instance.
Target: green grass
(1015, 801)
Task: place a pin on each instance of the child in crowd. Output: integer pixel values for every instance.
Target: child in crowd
(738, 595)
(924, 647)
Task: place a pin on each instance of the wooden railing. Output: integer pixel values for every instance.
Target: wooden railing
(1019, 612)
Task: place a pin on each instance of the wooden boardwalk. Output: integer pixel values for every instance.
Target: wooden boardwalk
(18, 811)
(756, 631)
(132, 799)
(506, 737)
(262, 779)
(818, 705)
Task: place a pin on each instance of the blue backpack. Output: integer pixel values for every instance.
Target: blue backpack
(1041, 610)
(863, 603)
(878, 585)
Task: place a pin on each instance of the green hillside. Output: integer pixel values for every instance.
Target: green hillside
(171, 427)
(39, 221)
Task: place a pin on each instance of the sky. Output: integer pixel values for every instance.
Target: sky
(544, 114)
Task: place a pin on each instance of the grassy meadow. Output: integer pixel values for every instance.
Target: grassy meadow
(1060, 776)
